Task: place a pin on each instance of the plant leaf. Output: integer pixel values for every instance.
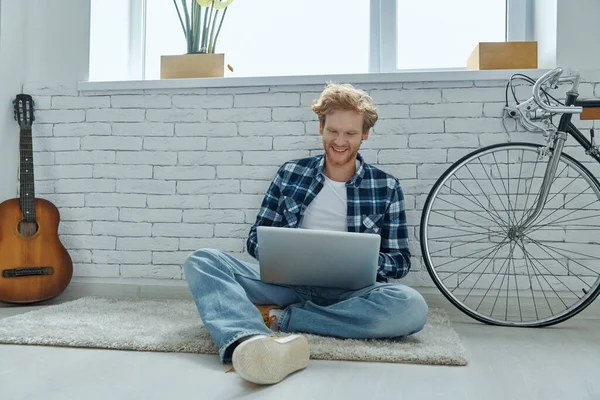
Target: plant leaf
(214, 44)
(212, 32)
(203, 45)
(188, 30)
(180, 19)
(218, 4)
(197, 13)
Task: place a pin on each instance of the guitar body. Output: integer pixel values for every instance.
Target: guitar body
(34, 264)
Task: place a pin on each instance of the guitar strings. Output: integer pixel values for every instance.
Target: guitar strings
(26, 186)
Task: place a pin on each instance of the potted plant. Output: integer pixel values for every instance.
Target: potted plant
(201, 24)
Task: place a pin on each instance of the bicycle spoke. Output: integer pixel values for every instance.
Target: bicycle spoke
(529, 191)
(460, 245)
(562, 227)
(496, 249)
(466, 230)
(538, 243)
(567, 220)
(539, 273)
(482, 272)
(501, 283)
(571, 251)
(464, 209)
(538, 196)
(566, 186)
(455, 236)
(556, 250)
(483, 297)
(508, 183)
(507, 289)
(494, 187)
(531, 288)
(478, 203)
(483, 192)
(462, 220)
(480, 275)
(519, 183)
(522, 246)
(579, 194)
(544, 277)
(472, 262)
(495, 277)
(518, 296)
(528, 229)
(503, 185)
(566, 268)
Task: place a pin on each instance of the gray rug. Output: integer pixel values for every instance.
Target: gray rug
(175, 326)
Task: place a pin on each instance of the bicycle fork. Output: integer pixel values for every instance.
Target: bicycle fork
(547, 182)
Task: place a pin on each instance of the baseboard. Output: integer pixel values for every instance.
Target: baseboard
(178, 289)
(147, 287)
(130, 287)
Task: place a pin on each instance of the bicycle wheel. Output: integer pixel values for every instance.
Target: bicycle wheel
(486, 264)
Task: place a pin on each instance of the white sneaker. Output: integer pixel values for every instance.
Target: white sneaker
(268, 359)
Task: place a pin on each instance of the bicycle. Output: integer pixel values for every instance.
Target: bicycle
(498, 260)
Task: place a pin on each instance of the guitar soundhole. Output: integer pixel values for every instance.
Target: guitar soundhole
(28, 228)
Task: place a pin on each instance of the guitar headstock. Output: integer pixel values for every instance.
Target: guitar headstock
(24, 110)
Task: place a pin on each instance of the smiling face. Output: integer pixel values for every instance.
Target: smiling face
(342, 134)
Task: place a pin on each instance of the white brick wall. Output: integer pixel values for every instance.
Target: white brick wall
(141, 180)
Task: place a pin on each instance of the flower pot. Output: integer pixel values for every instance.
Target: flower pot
(192, 66)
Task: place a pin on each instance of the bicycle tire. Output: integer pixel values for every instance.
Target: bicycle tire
(590, 296)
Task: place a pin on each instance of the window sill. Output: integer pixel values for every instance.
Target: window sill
(367, 78)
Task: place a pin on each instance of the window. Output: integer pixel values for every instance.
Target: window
(442, 34)
(274, 38)
(109, 41)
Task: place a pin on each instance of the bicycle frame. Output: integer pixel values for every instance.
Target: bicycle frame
(565, 128)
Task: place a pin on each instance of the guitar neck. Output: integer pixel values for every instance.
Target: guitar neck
(27, 181)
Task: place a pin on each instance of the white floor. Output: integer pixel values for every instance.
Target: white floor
(561, 362)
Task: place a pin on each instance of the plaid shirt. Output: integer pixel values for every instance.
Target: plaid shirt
(375, 205)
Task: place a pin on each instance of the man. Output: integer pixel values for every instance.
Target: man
(334, 191)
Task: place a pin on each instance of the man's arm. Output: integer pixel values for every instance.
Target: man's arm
(268, 214)
(394, 257)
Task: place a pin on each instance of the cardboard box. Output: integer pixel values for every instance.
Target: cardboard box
(192, 66)
(504, 55)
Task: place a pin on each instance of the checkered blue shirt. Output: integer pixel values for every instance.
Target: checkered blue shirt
(375, 205)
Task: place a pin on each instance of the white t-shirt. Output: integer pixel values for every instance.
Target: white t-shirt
(329, 209)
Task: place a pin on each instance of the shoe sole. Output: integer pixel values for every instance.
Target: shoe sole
(267, 361)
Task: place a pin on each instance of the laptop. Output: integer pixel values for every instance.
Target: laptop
(310, 257)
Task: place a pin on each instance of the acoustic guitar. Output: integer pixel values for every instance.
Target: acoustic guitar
(34, 264)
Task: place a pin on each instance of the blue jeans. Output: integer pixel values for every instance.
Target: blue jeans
(226, 291)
